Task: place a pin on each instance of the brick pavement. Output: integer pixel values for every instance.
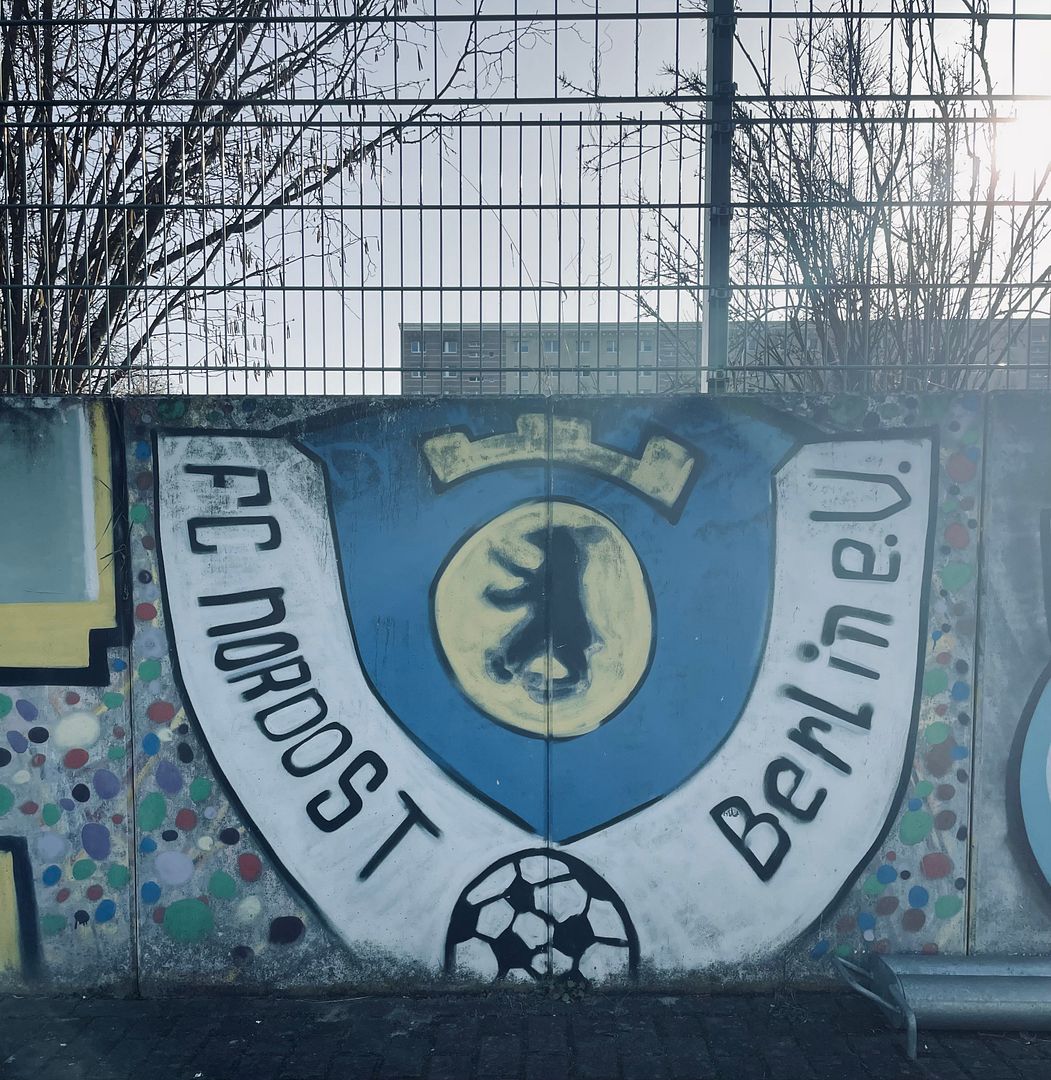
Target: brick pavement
(524, 1035)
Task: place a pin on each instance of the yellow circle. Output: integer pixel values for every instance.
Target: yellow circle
(543, 615)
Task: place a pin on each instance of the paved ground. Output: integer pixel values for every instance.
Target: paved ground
(522, 1036)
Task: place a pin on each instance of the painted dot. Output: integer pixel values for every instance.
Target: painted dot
(937, 732)
(915, 825)
(915, 804)
(866, 920)
(83, 869)
(169, 835)
(161, 712)
(51, 814)
(886, 874)
(81, 792)
(955, 575)
(38, 735)
(945, 792)
(229, 836)
(961, 690)
(886, 905)
(26, 709)
(50, 925)
(75, 759)
(7, 800)
(105, 911)
(185, 819)
(959, 753)
(249, 866)
(112, 700)
(157, 915)
(961, 467)
(935, 681)
(152, 811)
(94, 892)
(168, 777)
(77, 729)
(95, 840)
(936, 864)
(117, 876)
(944, 819)
(173, 867)
(151, 744)
(149, 543)
(5, 705)
(62, 896)
(150, 892)
(913, 920)
(945, 907)
(5, 756)
(147, 845)
(184, 752)
(51, 875)
(187, 921)
(957, 536)
(18, 742)
(116, 753)
(200, 789)
(918, 896)
(37, 760)
(145, 612)
(205, 843)
(107, 786)
(923, 789)
(286, 929)
(808, 651)
(29, 808)
(149, 670)
(222, 886)
(72, 697)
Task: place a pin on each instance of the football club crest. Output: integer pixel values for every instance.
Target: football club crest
(522, 686)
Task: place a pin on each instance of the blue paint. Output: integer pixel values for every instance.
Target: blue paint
(150, 892)
(961, 691)
(51, 875)
(886, 874)
(716, 559)
(105, 911)
(915, 804)
(918, 896)
(866, 921)
(147, 845)
(150, 744)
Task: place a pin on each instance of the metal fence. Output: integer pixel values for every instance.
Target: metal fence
(375, 196)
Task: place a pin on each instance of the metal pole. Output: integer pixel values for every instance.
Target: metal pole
(721, 87)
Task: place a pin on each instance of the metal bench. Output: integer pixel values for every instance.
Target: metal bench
(1004, 993)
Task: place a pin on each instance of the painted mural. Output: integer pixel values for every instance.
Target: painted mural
(514, 689)
(485, 638)
(65, 730)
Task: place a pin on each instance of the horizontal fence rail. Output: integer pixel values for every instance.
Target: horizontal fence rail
(367, 197)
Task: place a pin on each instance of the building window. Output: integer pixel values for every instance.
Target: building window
(415, 375)
(415, 346)
(647, 345)
(611, 345)
(646, 372)
(585, 345)
(585, 369)
(473, 378)
(449, 373)
(551, 346)
(523, 346)
(450, 346)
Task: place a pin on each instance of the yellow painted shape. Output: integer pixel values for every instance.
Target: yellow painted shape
(616, 604)
(662, 471)
(10, 952)
(55, 635)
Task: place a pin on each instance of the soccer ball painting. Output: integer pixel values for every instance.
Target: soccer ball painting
(539, 914)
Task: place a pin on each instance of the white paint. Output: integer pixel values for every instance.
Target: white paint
(77, 729)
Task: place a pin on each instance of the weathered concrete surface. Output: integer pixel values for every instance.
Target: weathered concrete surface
(1010, 898)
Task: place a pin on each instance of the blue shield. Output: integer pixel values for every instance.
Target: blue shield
(401, 509)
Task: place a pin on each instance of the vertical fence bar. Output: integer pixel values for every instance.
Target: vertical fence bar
(715, 318)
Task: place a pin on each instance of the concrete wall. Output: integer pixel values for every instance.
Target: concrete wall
(300, 694)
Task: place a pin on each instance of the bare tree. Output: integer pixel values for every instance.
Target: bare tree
(878, 242)
(146, 143)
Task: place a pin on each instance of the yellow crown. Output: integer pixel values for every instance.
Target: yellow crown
(661, 472)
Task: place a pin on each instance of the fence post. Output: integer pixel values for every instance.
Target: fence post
(716, 252)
